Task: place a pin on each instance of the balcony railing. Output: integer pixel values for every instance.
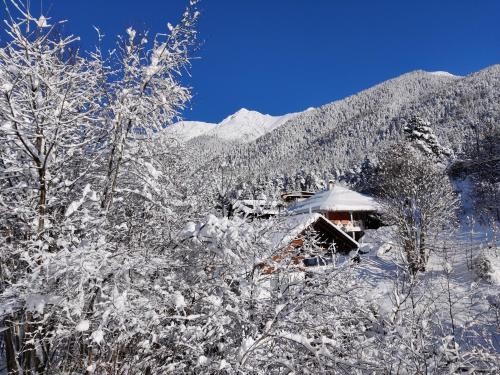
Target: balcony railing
(350, 226)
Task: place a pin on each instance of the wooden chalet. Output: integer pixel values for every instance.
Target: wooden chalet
(336, 218)
(292, 197)
(351, 211)
(329, 238)
(256, 208)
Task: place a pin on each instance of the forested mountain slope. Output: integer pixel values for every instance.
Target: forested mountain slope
(339, 135)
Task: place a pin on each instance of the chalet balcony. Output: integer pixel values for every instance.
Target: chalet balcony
(350, 226)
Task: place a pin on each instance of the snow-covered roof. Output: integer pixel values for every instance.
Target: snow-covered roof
(339, 198)
(257, 202)
(294, 225)
(257, 206)
(291, 227)
(297, 194)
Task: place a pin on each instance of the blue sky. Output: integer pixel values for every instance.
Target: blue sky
(280, 56)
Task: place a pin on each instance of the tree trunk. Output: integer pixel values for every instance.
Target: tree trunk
(31, 360)
(41, 166)
(411, 255)
(422, 254)
(10, 350)
(42, 200)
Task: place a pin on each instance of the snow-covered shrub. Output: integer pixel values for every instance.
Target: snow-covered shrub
(271, 313)
(487, 268)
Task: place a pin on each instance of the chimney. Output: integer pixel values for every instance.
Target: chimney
(331, 183)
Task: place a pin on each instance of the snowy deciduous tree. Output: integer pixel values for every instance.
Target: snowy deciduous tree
(417, 199)
(84, 191)
(147, 95)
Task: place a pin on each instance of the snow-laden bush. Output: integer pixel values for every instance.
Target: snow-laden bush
(269, 313)
(486, 267)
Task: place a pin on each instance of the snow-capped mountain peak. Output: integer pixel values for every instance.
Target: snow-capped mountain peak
(243, 126)
(243, 115)
(186, 130)
(444, 74)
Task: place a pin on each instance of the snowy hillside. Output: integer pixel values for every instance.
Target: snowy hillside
(338, 136)
(186, 130)
(243, 126)
(247, 126)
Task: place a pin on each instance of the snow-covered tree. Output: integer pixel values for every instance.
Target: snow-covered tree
(85, 195)
(417, 199)
(421, 135)
(100, 274)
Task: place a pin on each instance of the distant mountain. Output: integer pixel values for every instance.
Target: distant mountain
(247, 126)
(337, 137)
(186, 130)
(243, 126)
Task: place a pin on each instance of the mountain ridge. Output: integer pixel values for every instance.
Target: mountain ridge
(248, 125)
(338, 136)
(242, 126)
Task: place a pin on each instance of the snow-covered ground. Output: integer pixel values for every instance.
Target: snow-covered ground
(464, 273)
